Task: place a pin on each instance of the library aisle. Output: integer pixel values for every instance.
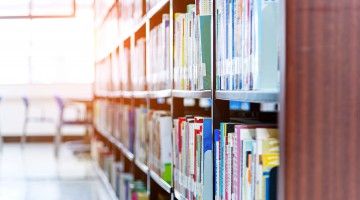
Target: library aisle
(179, 99)
(33, 173)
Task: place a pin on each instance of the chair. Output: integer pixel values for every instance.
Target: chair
(83, 119)
(29, 118)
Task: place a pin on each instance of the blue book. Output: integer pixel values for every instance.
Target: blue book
(217, 162)
(207, 159)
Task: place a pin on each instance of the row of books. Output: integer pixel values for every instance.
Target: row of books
(247, 41)
(123, 183)
(130, 11)
(193, 157)
(116, 120)
(192, 47)
(138, 58)
(246, 161)
(159, 69)
(246, 156)
(146, 133)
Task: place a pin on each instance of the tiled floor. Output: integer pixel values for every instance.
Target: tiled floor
(32, 173)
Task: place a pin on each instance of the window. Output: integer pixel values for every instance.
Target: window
(46, 51)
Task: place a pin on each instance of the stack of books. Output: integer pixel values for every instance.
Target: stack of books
(192, 48)
(159, 130)
(159, 70)
(247, 42)
(193, 157)
(246, 161)
(138, 66)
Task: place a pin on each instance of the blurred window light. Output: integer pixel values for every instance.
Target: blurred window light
(47, 51)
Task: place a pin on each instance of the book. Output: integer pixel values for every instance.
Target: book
(141, 136)
(267, 142)
(138, 78)
(125, 68)
(160, 154)
(247, 41)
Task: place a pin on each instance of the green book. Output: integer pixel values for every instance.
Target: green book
(205, 39)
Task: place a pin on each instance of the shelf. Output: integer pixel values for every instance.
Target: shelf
(140, 94)
(102, 94)
(144, 168)
(126, 94)
(105, 181)
(163, 184)
(124, 150)
(156, 8)
(134, 28)
(259, 96)
(139, 24)
(115, 94)
(117, 143)
(159, 94)
(178, 195)
(192, 94)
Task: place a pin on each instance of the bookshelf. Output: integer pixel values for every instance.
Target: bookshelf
(144, 88)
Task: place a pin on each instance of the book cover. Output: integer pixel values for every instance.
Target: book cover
(207, 159)
(164, 128)
(206, 49)
(217, 162)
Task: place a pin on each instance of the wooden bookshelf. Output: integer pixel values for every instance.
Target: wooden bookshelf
(172, 100)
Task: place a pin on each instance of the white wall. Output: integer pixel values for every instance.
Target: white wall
(42, 104)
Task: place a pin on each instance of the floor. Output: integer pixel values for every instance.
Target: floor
(32, 173)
